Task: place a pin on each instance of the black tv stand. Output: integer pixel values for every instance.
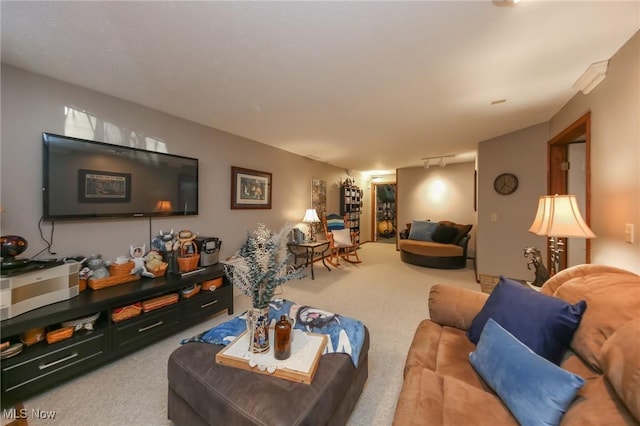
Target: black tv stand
(42, 366)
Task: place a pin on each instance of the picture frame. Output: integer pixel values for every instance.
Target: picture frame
(250, 189)
(96, 186)
(318, 201)
(319, 196)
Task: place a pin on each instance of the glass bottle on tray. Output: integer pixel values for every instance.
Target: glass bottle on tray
(282, 338)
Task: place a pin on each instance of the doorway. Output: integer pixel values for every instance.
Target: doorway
(569, 172)
(384, 212)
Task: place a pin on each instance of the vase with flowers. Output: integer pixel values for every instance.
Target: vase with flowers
(257, 269)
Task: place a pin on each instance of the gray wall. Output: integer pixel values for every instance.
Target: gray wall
(437, 194)
(504, 220)
(32, 104)
(615, 175)
(615, 156)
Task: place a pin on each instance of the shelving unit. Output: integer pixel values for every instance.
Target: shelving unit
(42, 366)
(351, 206)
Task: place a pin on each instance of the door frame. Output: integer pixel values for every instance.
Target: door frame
(557, 154)
(374, 208)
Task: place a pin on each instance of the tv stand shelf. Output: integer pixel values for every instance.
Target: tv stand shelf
(42, 366)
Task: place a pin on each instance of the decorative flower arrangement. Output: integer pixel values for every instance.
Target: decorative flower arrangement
(261, 265)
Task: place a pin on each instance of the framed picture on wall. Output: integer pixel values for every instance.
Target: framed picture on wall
(250, 189)
(319, 196)
(103, 187)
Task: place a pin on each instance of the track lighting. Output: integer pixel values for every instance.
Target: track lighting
(440, 160)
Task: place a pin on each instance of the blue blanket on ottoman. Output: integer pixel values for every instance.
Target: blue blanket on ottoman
(345, 335)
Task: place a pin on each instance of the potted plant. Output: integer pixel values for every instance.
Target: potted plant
(257, 269)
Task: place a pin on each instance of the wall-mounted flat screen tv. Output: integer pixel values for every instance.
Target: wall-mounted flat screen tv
(87, 179)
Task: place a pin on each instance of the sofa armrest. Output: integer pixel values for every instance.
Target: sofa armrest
(454, 306)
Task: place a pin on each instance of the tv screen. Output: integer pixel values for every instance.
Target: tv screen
(84, 179)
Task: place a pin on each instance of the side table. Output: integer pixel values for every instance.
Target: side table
(310, 249)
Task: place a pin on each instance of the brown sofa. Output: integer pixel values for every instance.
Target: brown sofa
(442, 388)
(433, 254)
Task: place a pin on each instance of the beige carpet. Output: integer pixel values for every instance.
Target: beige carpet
(387, 295)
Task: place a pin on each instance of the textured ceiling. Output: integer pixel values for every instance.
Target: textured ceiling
(360, 85)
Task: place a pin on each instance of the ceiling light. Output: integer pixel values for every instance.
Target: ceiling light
(592, 77)
(441, 160)
(505, 3)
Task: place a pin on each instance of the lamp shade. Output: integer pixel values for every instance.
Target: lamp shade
(559, 216)
(541, 221)
(163, 206)
(311, 216)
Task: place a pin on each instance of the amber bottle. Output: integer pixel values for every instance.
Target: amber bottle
(282, 339)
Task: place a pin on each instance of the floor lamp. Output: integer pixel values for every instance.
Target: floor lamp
(558, 217)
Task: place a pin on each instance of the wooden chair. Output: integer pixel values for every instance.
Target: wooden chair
(343, 243)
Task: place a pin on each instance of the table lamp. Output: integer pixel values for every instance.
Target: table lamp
(163, 206)
(311, 217)
(558, 217)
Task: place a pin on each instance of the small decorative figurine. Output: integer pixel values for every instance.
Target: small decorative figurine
(97, 267)
(542, 275)
(153, 259)
(164, 243)
(137, 256)
(185, 244)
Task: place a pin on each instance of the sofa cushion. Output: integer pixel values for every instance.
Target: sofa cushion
(463, 230)
(536, 391)
(543, 323)
(430, 248)
(422, 230)
(580, 271)
(455, 306)
(598, 404)
(444, 234)
(342, 238)
(445, 351)
(431, 399)
(621, 364)
(613, 299)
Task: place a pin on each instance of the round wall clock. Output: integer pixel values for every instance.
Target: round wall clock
(505, 184)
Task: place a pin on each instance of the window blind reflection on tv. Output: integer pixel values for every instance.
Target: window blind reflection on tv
(84, 179)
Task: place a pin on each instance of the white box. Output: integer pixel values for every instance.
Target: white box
(32, 290)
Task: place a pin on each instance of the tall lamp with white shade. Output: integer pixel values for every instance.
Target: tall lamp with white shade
(311, 217)
(558, 217)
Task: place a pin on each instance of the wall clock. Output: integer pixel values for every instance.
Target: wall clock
(506, 183)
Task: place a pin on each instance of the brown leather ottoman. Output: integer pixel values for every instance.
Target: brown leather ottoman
(202, 392)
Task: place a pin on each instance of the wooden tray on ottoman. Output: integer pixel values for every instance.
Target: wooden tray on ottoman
(301, 366)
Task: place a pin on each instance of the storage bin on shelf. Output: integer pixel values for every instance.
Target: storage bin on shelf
(159, 302)
(191, 291)
(188, 263)
(126, 312)
(59, 334)
(118, 274)
(160, 270)
(188, 256)
(211, 285)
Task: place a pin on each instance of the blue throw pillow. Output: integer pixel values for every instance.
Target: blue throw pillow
(422, 230)
(536, 391)
(545, 324)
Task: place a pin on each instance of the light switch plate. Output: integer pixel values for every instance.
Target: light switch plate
(629, 233)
